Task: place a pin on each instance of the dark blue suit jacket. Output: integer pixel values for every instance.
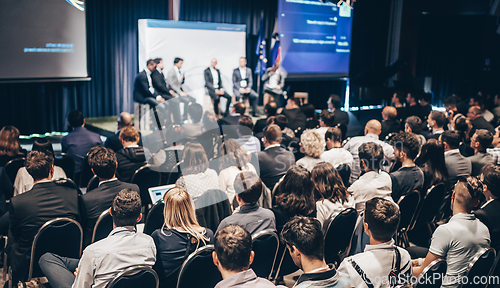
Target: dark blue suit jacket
(78, 143)
(141, 88)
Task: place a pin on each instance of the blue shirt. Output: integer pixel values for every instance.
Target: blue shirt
(78, 143)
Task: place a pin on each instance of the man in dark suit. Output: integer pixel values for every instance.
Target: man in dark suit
(390, 123)
(477, 120)
(213, 83)
(113, 142)
(144, 92)
(79, 141)
(242, 85)
(341, 117)
(481, 140)
(103, 163)
(436, 121)
(489, 213)
(413, 108)
(229, 124)
(30, 210)
(274, 161)
(164, 90)
(270, 110)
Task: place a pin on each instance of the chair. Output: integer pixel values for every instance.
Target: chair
(408, 205)
(103, 226)
(198, 270)
(135, 276)
(480, 267)
(93, 183)
(142, 116)
(338, 245)
(12, 167)
(495, 271)
(211, 207)
(85, 173)
(286, 265)
(62, 236)
(146, 178)
(303, 96)
(155, 218)
(67, 163)
(265, 245)
(345, 173)
(435, 267)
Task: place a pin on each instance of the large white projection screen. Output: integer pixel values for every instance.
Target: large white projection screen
(197, 43)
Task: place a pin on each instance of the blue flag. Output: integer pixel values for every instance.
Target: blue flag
(260, 50)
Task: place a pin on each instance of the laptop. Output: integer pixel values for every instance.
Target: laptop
(156, 193)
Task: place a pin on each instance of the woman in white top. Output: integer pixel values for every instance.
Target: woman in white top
(234, 159)
(313, 146)
(24, 182)
(329, 191)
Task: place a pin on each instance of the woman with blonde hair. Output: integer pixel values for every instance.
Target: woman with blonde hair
(180, 235)
(9, 145)
(313, 146)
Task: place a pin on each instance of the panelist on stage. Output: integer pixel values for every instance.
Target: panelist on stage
(213, 82)
(242, 85)
(144, 92)
(274, 80)
(175, 79)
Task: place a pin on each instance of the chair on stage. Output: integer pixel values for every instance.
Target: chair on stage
(265, 245)
(136, 276)
(103, 226)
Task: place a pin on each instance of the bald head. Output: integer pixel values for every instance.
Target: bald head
(389, 113)
(373, 127)
(125, 119)
(474, 112)
(213, 63)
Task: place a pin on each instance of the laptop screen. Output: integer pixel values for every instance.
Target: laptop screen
(156, 193)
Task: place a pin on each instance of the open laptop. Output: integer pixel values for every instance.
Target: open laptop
(156, 193)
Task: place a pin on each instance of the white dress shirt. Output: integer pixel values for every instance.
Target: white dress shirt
(178, 73)
(370, 185)
(215, 76)
(150, 82)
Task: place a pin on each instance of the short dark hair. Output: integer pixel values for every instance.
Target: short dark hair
(484, 138)
(439, 118)
(382, 217)
(281, 121)
(126, 208)
(233, 246)
(334, 134)
(306, 235)
(491, 178)
(408, 143)
(271, 108)
(239, 108)
(150, 61)
(43, 145)
(195, 111)
(75, 118)
(273, 133)
(372, 154)
(415, 124)
(245, 125)
(452, 138)
(103, 161)
(309, 110)
(335, 100)
(327, 118)
(38, 164)
(475, 189)
(248, 186)
(177, 60)
(157, 60)
(450, 102)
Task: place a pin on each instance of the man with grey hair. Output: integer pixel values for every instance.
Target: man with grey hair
(477, 120)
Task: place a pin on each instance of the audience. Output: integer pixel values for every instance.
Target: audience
(245, 135)
(249, 215)
(413, 125)
(233, 256)
(335, 154)
(462, 237)
(329, 192)
(166, 159)
(103, 163)
(296, 118)
(326, 120)
(380, 223)
(456, 164)
(398, 101)
(270, 110)
(313, 147)
(436, 122)
(229, 124)
(390, 123)
(477, 120)
(195, 112)
(9, 145)
(113, 142)
(489, 213)
(463, 126)
(495, 151)
(425, 102)
(24, 182)
(79, 141)
(180, 234)
(374, 182)
(132, 156)
(310, 112)
(341, 117)
(481, 140)
(304, 240)
(431, 162)
(409, 177)
(413, 108)
(104, 259)
(6, 191)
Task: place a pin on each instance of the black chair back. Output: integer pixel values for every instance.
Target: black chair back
(12, 167)
(345, 173)
(155, 218)
(146, 178)
(103, 226)
(198, 270)
(265, 245)
(62, 236)
(480, 267)
(436, 267)
(93, 183)
(495, 271)
(285, 265)
(408, 205)
(67, 163)
(431, 204)
(85, 173)
(136, 276)
(337, 245)
(211, 207)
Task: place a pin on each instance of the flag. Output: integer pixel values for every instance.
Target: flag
(276, 52)
(260, 50)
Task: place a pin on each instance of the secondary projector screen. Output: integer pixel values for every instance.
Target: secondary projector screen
(42, 39)
(196, 43)
(315, 38)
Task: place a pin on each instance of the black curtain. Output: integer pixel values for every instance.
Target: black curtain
(112, 62)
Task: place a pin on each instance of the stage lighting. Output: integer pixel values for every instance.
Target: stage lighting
(339, 2)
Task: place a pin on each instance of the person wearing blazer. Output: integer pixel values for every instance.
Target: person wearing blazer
(242, 85)
(489, 213)
(481, 140)
(144, 92)
(175, 79)
(213, 83)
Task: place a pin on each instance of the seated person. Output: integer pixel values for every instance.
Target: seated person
(489, 213)
(229, 124)
(409, 177)
(29, 211)
(24, 182)
(335, 154)
(304, 240)
(113, 142)
(380, 223)
(10, 148)
(459, 240)
(313, 147)
(481, 140)
(296, 118)
(390, 122)
(374, 182)
(270, 110)
(246, 138)
(104, 259)
(242, 85)
(215, 88)
(249, 215)
(233, 256)
(436, 121)
(180, 235)
(312, 118)
(413, 125)
(274, 82)
(326, 121)
(132, 156)
(195, 112)
(102, 161)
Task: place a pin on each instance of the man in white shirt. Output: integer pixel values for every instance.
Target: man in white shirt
(335, 154)
(213, 83)
(242, 85)
(380, 223)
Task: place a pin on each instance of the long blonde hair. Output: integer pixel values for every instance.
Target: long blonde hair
(179, 213)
